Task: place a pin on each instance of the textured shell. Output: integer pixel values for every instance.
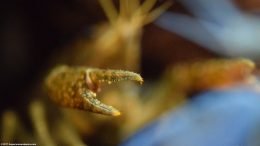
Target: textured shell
(66, 86)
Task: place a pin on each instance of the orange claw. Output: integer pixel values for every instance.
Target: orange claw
(76, 87)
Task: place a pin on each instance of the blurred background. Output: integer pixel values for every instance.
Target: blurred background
(31, 31)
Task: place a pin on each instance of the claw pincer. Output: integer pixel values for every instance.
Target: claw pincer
(76, 87)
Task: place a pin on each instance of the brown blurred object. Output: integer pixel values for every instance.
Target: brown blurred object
(249, 5)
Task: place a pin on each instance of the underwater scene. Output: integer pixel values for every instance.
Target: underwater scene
(130, 73)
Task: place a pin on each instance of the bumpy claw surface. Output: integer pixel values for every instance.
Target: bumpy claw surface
(76, 87)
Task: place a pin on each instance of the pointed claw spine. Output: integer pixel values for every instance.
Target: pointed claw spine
(112, 76)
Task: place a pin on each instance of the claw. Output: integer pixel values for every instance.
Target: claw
(97, 76)
(76, 87)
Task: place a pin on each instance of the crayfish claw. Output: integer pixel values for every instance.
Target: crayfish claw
(76, 87)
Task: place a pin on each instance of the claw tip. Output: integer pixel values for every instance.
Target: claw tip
(141, 81)
(116, 113)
